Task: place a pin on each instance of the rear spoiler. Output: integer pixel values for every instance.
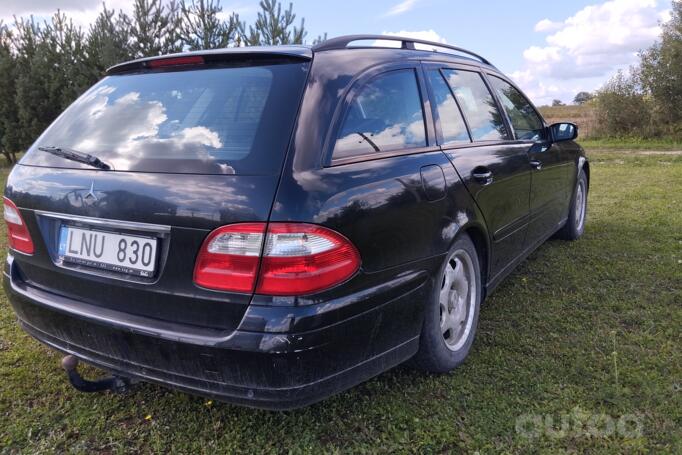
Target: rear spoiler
(232, 54)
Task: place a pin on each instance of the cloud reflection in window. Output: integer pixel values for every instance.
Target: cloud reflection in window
(485, 120)
(386, 115)
(127, 129)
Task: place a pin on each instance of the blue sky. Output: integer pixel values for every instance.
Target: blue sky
(552, 49)
(500, 30)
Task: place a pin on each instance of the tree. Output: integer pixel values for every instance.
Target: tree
(622, 109)
(273, 26)
(557, 103)
(50, 72)
(31, 74)
(107, 41)
(172, 41)
(320, 39)
(661, 69)
(583, 97)
(201, 27)
(64, 58)
(9, 126)
(154, 28)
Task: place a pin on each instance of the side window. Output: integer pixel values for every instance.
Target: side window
(524, 119)
(451, 122)
(385, 115)
(484, 118)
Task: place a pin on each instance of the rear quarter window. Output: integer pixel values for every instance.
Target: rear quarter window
(385, 115)
(217, 120)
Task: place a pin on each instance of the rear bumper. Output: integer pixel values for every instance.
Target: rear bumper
(267, 369)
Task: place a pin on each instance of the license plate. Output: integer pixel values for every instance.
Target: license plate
(122, 253)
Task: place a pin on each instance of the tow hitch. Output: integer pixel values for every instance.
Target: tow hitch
(116, 384)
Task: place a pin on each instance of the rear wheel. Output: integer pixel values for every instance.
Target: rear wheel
(452, 314)
(575, 225)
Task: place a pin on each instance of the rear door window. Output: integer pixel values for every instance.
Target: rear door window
(525, 121)
(234, 120)
(484, 118)
(386, 115)
(453, 128)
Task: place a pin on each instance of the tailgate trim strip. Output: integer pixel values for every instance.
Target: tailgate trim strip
(104, 222)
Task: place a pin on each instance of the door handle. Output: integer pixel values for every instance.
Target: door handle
(483, 175)
(536, 164)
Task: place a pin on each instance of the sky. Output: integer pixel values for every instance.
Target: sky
(553, 50)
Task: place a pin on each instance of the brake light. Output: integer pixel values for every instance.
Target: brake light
(297, 259)
(176, 61)
(302, 258)
(228, 259)
(17, 233)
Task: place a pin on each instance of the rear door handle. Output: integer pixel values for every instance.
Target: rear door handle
(536, 164)
(483, 175)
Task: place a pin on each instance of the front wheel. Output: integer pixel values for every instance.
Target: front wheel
(575, 225)
(452, 314)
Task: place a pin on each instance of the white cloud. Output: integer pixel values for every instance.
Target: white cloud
(537, 54)
(82, 12)
(586, 48)
(243, 9)
(615, 26)
(546, 25)
(27, 7)
(401, 7)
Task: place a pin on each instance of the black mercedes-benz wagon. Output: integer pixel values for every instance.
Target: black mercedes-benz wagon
(272, 225)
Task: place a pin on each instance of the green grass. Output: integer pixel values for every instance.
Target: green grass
(633, 143)
(581, 328)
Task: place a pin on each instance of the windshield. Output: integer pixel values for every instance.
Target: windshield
(234, 120)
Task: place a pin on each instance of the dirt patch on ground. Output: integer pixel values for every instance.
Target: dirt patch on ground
(658, 152)
(639, 152)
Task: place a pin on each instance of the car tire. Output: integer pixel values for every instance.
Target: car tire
(446, 338)
(577, 213)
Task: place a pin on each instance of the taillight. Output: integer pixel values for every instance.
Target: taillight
(303, 258)
(17, 233)
(297, 259)
(228, 260)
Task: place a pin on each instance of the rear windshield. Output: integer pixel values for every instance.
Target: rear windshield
(235, 120)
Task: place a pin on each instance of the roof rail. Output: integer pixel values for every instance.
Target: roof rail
(342, 42)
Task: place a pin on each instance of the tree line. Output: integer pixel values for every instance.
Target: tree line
(44, 66)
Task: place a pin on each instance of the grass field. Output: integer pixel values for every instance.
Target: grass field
(585, 116)
(631, 144)
(587, 333)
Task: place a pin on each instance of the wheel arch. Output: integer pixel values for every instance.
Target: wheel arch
(584, 165)
(478, 236)
(586, 169)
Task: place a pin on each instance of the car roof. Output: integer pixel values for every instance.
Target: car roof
(406, 43)
(304, 52)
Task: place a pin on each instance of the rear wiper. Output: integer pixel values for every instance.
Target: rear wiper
(75, 155)
(369, 141)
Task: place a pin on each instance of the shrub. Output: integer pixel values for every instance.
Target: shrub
(622, 108)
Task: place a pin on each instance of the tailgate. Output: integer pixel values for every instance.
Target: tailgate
(175, 212)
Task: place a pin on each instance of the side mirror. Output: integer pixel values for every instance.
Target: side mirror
(563, 132)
